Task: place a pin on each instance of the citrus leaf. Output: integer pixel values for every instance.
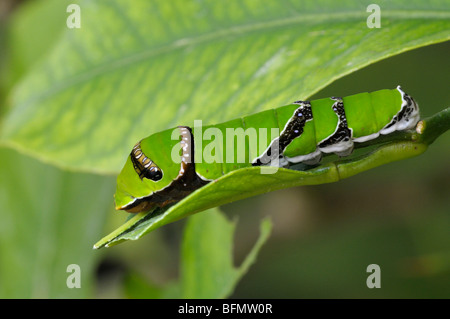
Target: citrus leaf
(248, 182)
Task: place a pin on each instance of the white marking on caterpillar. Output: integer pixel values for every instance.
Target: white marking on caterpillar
(406, 118)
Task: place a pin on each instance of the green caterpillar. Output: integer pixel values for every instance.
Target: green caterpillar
(167, 166)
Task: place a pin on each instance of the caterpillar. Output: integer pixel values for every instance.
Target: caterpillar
(165, 167)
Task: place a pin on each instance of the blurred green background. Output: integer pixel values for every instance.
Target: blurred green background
(396, 216)
(324, 237)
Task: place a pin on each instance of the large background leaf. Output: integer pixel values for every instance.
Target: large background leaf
(136, 69)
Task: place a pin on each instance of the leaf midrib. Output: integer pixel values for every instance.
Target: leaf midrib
(239, 30)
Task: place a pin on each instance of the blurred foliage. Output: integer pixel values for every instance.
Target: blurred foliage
(207, 256)
(324, 236)
(209, 235)
(206, 268)
(49, 219)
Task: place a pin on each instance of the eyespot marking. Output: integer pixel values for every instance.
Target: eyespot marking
(143, 165)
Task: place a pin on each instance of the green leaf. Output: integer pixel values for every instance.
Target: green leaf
(249, 182)
(138, 287)
(207, 269)
(137, 67)
(31, 33)
(49, 219)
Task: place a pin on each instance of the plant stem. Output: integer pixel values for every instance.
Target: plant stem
(434, 126)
